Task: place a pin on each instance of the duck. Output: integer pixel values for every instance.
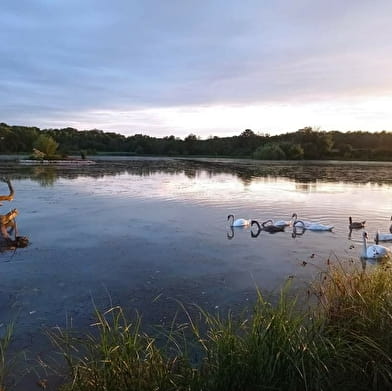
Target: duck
(374, 251)
(271, 228)
(356, 224)
(238, 222)
(310, 225)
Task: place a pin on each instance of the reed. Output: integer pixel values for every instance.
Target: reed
(119, 356)
(356, 306)
(343, 341)
(6, 363)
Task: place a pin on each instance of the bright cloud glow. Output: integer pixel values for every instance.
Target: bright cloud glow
(220, 120)
(179, 67)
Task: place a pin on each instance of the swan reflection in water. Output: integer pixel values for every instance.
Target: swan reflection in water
(232, 229)
(230, 234)
(267, 226)
(298, 231)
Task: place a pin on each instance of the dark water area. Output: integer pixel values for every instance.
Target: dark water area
(146, 233)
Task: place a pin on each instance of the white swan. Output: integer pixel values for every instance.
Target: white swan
(374, 251)
(382, 237)
(282, 223)
(310, 225)
(294, 218)
(238, 222)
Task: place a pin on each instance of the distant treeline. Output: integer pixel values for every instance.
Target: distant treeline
(306, 143)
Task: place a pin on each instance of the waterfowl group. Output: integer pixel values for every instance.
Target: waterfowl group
(369, 252)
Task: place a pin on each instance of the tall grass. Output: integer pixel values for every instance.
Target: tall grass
(119, 356)
(277, 348)
(5, 361)
(357, 307)
(343, 342)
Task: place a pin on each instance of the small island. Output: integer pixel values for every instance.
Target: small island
(45, 153)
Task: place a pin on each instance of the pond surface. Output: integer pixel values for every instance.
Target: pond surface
(144, 233)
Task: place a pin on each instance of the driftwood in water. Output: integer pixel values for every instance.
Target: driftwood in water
(9, 197)
(8, 221)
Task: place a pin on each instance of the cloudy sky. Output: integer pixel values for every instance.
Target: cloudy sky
(212, 67)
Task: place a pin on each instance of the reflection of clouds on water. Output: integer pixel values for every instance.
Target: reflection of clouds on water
(318, 189)
(308, 176)
(258, 190)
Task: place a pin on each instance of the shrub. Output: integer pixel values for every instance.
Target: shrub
(269, 151)
(46, 145)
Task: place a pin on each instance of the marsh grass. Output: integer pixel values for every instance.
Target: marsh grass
(278, 347)
(356, 306)
(6, 363)
(343, 342)
(119, 356)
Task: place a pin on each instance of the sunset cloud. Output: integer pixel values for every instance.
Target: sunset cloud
(208, 68)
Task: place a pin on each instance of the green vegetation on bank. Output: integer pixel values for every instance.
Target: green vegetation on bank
(6, 362)
(306, 143)
(342, 341)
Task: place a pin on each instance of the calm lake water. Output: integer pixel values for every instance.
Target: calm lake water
(144, 232)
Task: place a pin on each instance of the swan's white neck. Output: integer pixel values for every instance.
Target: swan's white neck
(294, 218)
(364, 252)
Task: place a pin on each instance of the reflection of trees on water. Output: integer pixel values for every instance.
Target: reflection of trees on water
(305, 187)
(45, 176)
(305, 174)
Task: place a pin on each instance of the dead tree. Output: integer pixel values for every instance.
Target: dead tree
(9, 197)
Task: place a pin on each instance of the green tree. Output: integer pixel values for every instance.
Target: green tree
(270, 151)
(292, 151)
(46, 144)
(346, 150)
